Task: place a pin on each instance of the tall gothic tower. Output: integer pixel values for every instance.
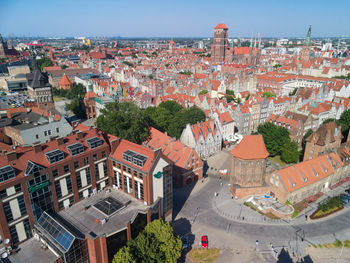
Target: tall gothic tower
(219, 46)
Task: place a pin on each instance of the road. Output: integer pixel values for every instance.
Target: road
(196, 205)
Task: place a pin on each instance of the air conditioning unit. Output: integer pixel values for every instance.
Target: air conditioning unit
(66, 206)
(115, 187)
(103, 221)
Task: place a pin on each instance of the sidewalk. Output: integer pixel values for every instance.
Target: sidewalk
(235, 210)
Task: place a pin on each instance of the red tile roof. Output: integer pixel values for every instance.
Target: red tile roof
(125, 145)
(251, 147)
(175, 150)
(305, 173)
(65, 81)
(27, 153)
(225, 118)
(221, 26)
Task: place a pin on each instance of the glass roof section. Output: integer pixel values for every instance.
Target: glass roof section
(60, 236)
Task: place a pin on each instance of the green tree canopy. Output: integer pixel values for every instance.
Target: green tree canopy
(124, 120)
(171, 106)
(156, 243)
(290, 153)
(44, 62)
(274, 137)
(268, 94)
(76, 106)
(344, 120)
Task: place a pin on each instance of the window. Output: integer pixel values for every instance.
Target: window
(124, 168)
(49, 132)
(119, 165)
(57, 130)
(75, 148)
(86, 160)
(55, 156)
(55, 173)
(37, 136)
(141, 176)
(66, 169)
(94, 157)
(45, 133)
(135, 173)
(76, 165)
(94, 142)
(129, 170)
(7, 172)
(113, 163)
(103, 154)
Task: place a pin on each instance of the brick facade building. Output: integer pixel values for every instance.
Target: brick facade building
(95, 200)
(248, 164)
(219, 47)
(326, 139)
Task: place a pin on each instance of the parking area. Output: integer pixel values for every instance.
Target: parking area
(13, 99)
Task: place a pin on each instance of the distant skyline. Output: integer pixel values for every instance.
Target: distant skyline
(156, 18)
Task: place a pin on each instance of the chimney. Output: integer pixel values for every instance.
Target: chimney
(80, 135)
(37, 148)
(11, 156)
(60, 141)
(114, 145)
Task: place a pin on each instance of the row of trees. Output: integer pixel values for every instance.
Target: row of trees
(156, 243)
(127, 121)
(278, 142)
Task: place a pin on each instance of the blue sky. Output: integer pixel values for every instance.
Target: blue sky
(176, 18)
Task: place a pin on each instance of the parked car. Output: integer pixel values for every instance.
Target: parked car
(185, 241)
(204, 241)
(348, 190)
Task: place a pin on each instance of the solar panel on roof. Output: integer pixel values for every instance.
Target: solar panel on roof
(56, 231)
(55, 156)
(75, 148)
(94, 142)
(7, 172)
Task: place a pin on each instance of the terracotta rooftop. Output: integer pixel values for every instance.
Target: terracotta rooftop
(221, 26)
(310, 171)
(65, 81)
(251, 147)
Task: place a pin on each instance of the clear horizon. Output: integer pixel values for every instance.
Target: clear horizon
(178, 19)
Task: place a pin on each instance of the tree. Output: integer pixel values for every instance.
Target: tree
(344, 120)
(124, 120)
(268, 94)
(171, 106)
(328, 120)
(124, 256)
(274, 137)
(44, 62)
(170, 244)
(293, 92)
(64, 66)
(156, 243)
(193, 115)
(76, 107)
(202, 92)
(290, 153)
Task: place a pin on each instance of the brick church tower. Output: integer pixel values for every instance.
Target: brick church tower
(218, 49)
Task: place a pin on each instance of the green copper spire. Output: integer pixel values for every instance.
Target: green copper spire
(308, 37)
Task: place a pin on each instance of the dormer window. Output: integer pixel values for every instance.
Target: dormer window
(316, 174)
(305, 179)
(293, 185)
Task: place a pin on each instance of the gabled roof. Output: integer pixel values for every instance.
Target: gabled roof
(251, 147)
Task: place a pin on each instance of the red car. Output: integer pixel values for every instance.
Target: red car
(205, 241)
